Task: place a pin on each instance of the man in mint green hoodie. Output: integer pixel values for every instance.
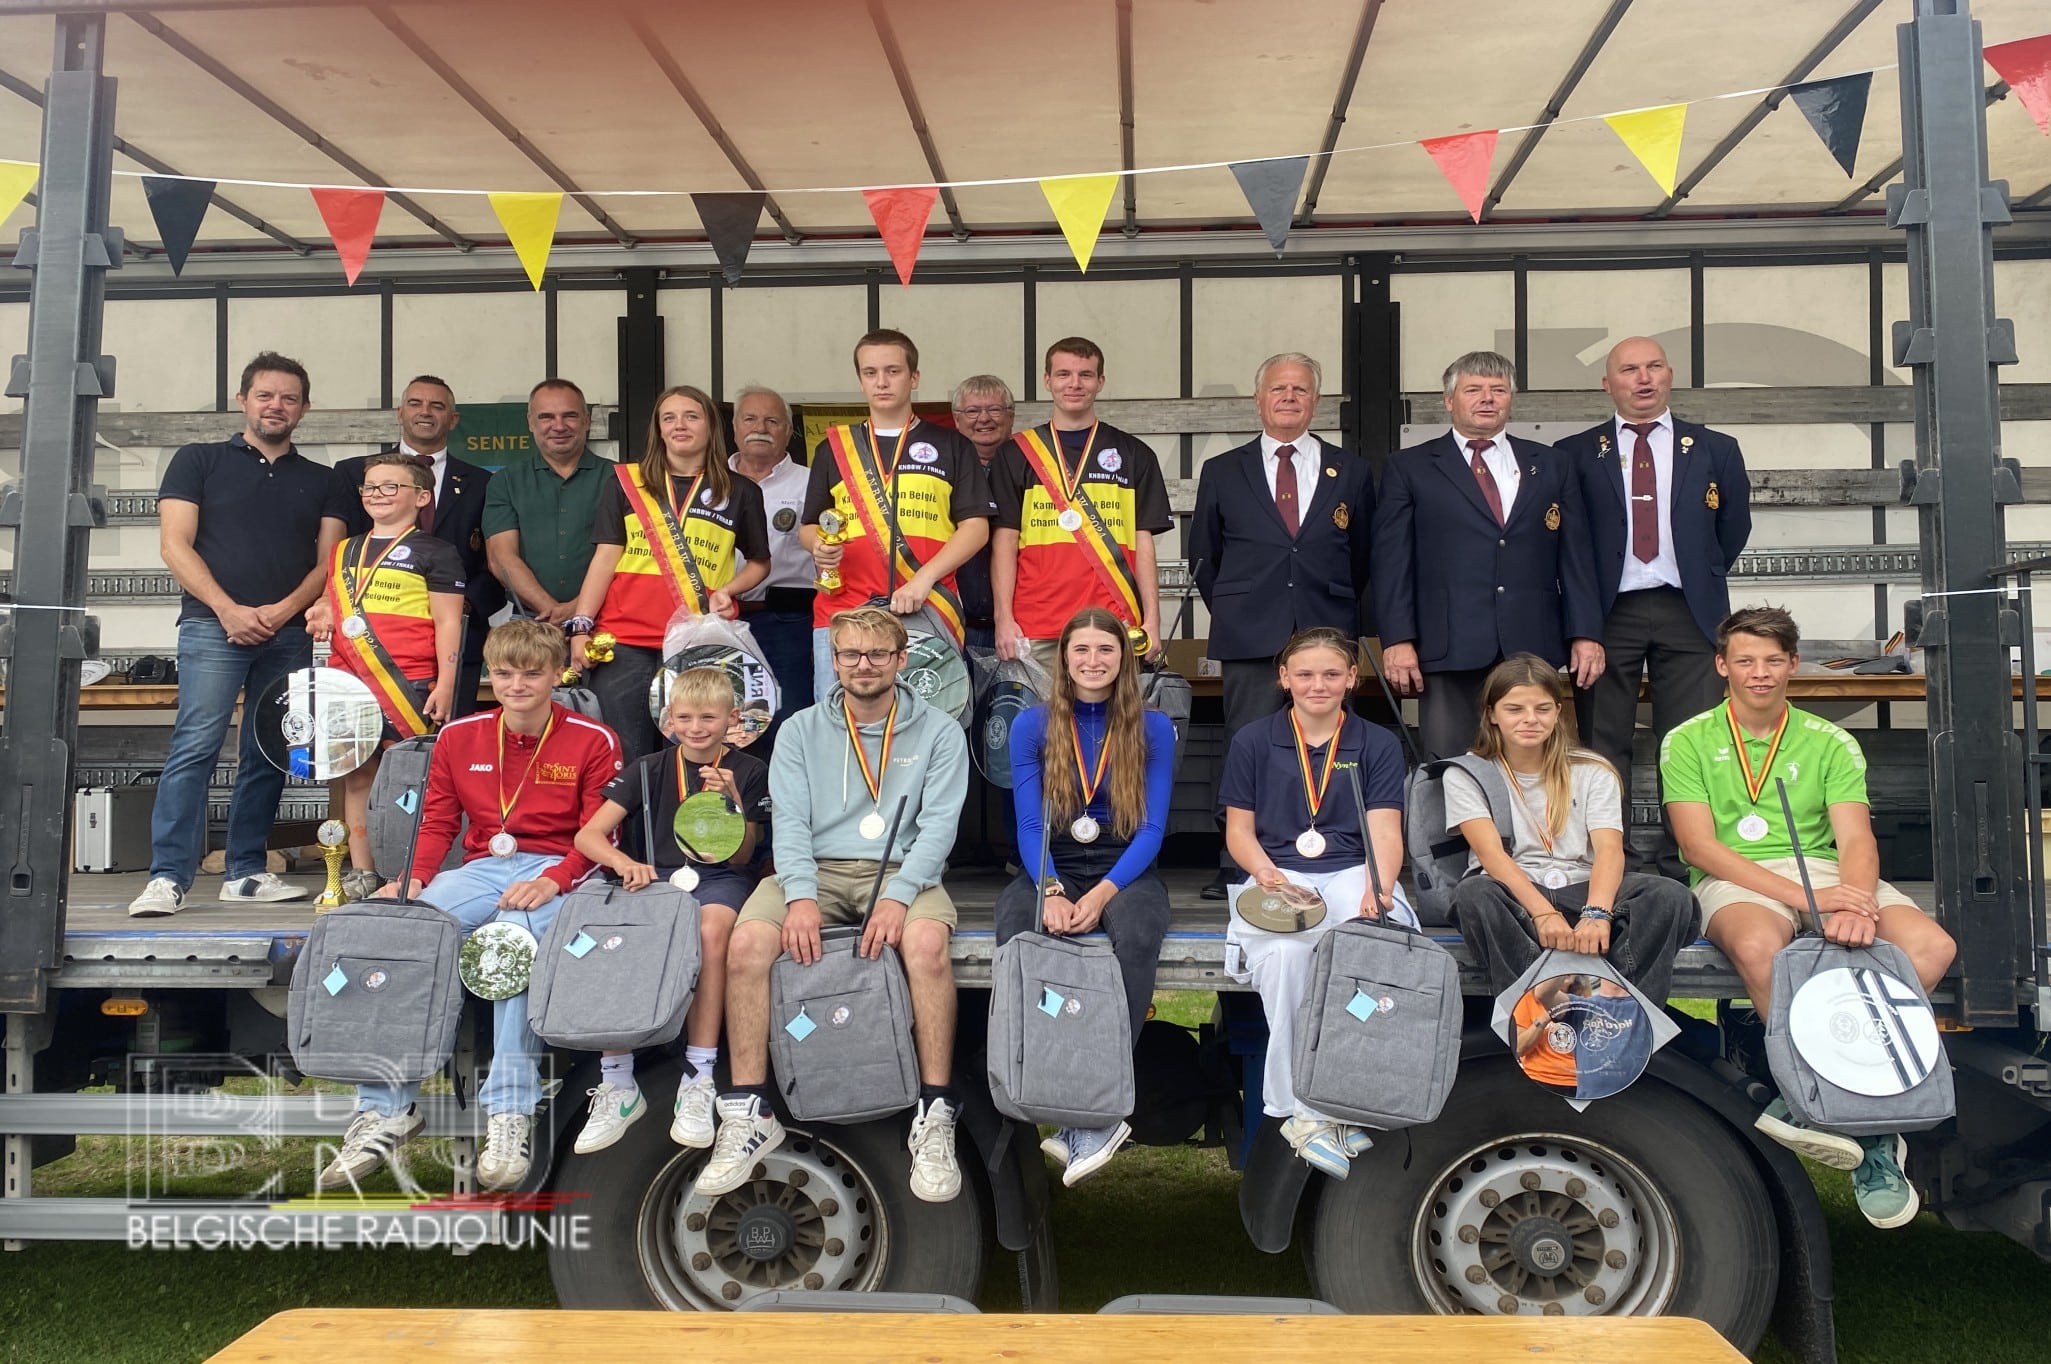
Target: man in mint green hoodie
(839, 770)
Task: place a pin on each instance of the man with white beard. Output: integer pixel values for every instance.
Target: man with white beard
(779, 609)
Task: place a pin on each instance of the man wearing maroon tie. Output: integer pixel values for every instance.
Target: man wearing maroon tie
(1669, 511)
(1481, 550)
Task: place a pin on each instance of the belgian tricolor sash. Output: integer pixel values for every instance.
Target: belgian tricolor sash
(665, 535)
(347, 586)
(1105, 555)
(877, 508)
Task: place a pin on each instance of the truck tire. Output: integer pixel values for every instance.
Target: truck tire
(830, 1208)
(1646, 1204)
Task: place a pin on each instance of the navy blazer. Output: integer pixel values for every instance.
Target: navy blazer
(458, 519)
(1260, 584)
(1707, 539)
(1466, 591)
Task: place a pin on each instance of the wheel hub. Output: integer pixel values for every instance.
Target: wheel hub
(765, 1232)
(1543, 1245)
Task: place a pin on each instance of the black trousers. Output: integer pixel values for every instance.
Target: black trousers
(1449, 712)
(621, 687)
(1654, 918)
(1136, 920)
(1649, 631)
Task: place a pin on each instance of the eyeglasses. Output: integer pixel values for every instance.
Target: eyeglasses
(875, 658)
(390, 489)
(973, 412)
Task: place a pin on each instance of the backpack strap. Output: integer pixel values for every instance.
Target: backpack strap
(1494, 789)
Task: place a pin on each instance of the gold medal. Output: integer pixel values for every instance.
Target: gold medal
(1712, 499)
(1552, 517)
(1342, 516)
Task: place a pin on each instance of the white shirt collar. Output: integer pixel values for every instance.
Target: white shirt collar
(1664, 420)
(1306, 444)
(733, 462)
(440, 458)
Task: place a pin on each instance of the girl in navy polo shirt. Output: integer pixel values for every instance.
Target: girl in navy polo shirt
(1290, 821)
(1107, 768)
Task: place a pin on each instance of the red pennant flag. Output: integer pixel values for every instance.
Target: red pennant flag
(351, 216)
(901, 216)
(1463, 158)
(2026, 65)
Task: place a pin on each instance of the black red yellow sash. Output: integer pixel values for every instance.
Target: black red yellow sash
(876, 507)
(394, 694)
(666, 540)
(1105, 555)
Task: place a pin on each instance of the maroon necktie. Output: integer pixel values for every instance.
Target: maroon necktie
(1285, 488)
(1487, 480)
(426, 519)
(1644, 495)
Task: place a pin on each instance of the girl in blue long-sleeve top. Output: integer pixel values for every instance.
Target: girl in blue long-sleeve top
(1105, 767)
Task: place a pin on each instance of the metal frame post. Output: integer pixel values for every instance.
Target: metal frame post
(641, 359)
(63, 377)
(1952, 343)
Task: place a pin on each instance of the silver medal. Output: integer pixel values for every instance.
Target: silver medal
(503, 844)
(1085, 829)
(1555, 879)
(354, 627)
(1310, 843)
(872, 825)
(1752, 828)
(1070, 520)
(684, 878)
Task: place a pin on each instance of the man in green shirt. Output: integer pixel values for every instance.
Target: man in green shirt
(538, 511)
(1719, 770)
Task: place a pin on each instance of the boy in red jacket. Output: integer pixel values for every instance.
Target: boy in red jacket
(527, 776)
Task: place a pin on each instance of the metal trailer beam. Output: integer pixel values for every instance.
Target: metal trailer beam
(1370, 10)
(1952, 342)
(1126, 118)
(894, 55)
(1553, 106)
(643, 370)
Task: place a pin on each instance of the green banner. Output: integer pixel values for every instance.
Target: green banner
(492, 434)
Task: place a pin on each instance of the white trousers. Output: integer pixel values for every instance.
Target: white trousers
(1278, 966)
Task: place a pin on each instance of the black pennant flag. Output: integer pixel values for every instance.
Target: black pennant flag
(178, 206)
(730, 221)
(1836, 109)
(1271, 188)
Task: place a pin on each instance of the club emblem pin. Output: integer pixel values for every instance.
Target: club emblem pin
(1552, 517)
(1601, 446)
(1342, 516)
(1712, 499)
(1687, 444)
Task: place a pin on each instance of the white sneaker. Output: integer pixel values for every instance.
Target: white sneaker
(1055, 1148)
(935, 1176)
(692, 1125)
(160, 896)
(1320, 1144)
(1091, 1150)
(505, 1160)
(746, 1134)
(264, 887)
(367, 1143)
(613, 1111)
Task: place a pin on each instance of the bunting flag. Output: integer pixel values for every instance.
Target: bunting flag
(729, 221)
(529, 221)
(351, 216)
(16, 180)
(1836, 109)
(1654, 137)
(2026, 65)
(1079, 203)
(901, 216)
(1271, 188)
(1464, 160)
(178, 206)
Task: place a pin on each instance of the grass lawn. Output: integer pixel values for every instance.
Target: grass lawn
(1161, 1220)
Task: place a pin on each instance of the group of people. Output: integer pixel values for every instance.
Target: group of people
(1517, 588)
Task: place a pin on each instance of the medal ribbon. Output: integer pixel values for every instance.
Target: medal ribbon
(1753, 784)
(1314, 792)
(873, 781)
(1543, 826)
(1106, 556)
(1082, 772)
(394, 695)
(506, 806)
(359, 580)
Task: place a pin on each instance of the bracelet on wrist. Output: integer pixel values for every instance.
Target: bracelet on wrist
(579, 625)
(1601, 916)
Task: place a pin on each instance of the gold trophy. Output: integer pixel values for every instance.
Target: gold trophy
(334, 846)
(1142, 642)
(832, 531)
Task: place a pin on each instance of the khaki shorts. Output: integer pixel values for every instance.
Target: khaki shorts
(843, 895)
(1714, 894)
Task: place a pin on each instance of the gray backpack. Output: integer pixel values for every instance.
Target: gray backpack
(582, 700)
(1060, 1046)
(840, 1030)
(377, 993)
(1169, 693)
(1438, 857)
(1378, 1031)
(617, 968)
(394, 807)
(1879, 989)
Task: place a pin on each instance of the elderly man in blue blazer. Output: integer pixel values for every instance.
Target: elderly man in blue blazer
(1278, 543)
(1670, 509)
(1481, 550)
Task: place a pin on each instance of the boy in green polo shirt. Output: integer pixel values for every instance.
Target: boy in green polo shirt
(1718, 770)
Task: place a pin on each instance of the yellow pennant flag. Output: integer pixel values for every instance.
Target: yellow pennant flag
(529, 221)
(1079, 203)
(17, 178)
(1654, 137)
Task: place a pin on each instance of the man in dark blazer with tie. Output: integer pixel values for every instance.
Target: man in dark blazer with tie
(1669, 510)
(1481, 550)
(1278, 542)
(427, 414)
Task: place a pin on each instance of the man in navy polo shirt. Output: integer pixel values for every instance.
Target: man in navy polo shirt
(246, 526)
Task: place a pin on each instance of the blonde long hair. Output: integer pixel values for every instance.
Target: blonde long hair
(655, 455)
(1556, 764)
(1124, 733)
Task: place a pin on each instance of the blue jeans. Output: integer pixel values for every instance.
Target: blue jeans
(471, 893)
(211, 673)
